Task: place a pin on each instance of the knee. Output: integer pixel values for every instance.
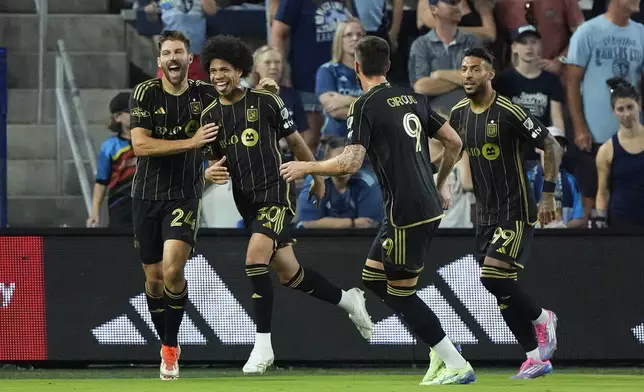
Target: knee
(497, 281)
(173, 273)
(154, 287)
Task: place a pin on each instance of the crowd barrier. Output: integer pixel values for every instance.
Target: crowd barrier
(78, 295)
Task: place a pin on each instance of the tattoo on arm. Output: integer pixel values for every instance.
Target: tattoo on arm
(351, 158)
(552, 158)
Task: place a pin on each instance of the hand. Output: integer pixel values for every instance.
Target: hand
(293, 170)
(364, 223)
(93, 221)
(583, 139)
(552, 66)
(393, 41)
(446, 197)
(547, 209)
(333, 104)
(205, 135)
(217, 172)
(151, 8)
(598, 220)
(269, 84)
(317, 191)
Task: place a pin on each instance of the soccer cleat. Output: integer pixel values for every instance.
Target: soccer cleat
(261, 358)
(169, 369)
(359, 315)
(547, 336)
(447, 376)
(436, 364)
(533, 369)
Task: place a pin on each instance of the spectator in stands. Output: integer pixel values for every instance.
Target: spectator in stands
(477, 17)
(556, 20)
(528, 85)
(607, 45)
(373, 16)
(620, 163)
(435, 58)
(115, 169)
(189, 17)
(351, 201)
(336, 83)
(570, 210)
(309, 25)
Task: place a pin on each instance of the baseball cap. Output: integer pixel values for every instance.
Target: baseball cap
(435, 2)
(120, 103)
(524, 31)
(558, 134)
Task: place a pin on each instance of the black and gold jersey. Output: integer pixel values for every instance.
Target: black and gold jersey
(249, 138)
(394, 124)
(494, 140)
(170, 117)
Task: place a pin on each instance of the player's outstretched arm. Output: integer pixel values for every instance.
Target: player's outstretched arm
(552, 154)
(144, 144)
(452, 146)
(349, 162)
(303, 153)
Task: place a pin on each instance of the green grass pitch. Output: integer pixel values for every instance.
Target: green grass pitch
(310, 380)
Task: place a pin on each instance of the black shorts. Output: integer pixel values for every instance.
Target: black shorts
(272, 220)
(508, 241)
(402, 251)
(156, 221)
(586, 172)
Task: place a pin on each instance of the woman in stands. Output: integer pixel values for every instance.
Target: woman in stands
(620, 163)
(336, 84)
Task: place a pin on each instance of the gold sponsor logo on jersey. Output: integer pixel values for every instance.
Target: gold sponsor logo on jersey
(490, 151)
(195, 107)
(492, 130)
(249, 137)
(401, 100)
(252, 115)
(160, 111)
(138, 112)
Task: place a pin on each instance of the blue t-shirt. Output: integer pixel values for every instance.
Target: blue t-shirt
(336, 77)
(115, 168)
(605, 50)
(362, 199)
(293, 103)
(312, 30)
(187, 17)
(567, 194)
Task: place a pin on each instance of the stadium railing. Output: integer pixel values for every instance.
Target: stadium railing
(42, 10)
(77, 295)
(3, 137)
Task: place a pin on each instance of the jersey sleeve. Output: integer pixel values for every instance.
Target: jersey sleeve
(288, 12)
(525, 124)
(281, 116)
(358, 125)
(434, 120)
(141, 106)
(579, 50)
(104, 164)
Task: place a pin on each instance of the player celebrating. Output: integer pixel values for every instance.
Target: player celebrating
(168, 185)
(393, 125)
(493, 130)
(252, 123)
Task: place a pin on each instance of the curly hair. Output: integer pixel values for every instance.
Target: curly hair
(229, 49)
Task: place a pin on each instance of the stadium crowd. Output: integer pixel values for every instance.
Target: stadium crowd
(581, 78)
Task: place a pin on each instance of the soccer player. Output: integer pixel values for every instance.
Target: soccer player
(494, 130)
(393, 125)
(168, 184)
(252, 123)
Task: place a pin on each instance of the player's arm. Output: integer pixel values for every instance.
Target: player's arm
(604, 160)
(438, 128)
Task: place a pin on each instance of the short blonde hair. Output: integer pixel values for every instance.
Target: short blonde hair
(336, 49)
(257, 56)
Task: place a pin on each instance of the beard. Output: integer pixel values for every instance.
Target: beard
(175, 77)
(480, 89)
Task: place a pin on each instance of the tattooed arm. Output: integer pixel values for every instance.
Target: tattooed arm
(552, 155)
(349, 162)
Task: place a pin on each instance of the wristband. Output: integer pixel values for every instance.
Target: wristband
(549, 187)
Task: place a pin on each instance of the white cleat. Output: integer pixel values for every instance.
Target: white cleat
(261, 358)
(359, 315)
(169, 369)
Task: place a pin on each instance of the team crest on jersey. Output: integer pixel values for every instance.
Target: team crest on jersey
(195, 107)
(251, 115)
(349, 122)
(138, 112)
(492, 130)
(284, 113)
(528, 124)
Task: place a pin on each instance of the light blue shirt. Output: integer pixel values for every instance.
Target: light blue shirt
(187, 17)
(605, 50)
(371, 13)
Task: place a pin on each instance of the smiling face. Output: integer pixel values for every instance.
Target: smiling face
(477, 74)
(224, 76)
(174, 60)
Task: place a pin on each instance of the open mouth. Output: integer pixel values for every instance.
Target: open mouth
(221, 86)
(174, 69)
(468, 83)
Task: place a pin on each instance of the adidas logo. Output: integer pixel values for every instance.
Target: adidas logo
(256, 296)
(160, 111)
(501, 250)
(462, 276)
(210, 297)
(638, 333)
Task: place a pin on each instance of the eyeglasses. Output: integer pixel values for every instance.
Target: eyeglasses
(529, 14)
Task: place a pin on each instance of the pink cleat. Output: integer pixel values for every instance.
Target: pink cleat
(533, 369)
(547, 336)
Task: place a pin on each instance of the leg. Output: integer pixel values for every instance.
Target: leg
(292, 275)
(154, 296)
